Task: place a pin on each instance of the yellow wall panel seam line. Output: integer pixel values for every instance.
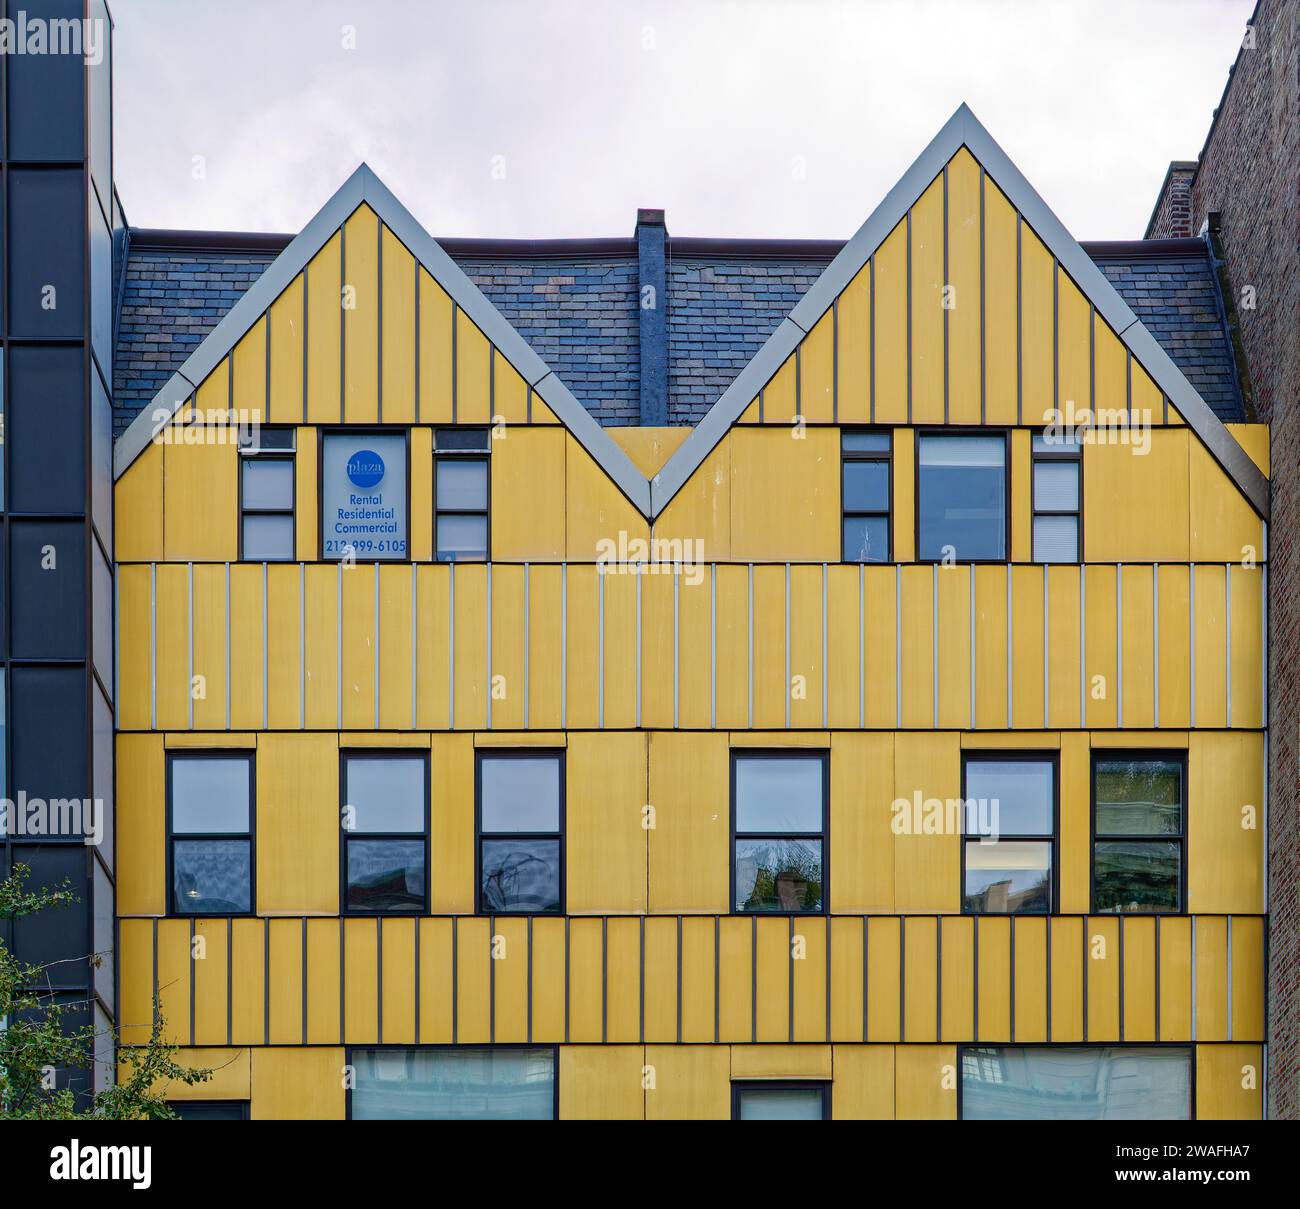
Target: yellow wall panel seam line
(1227, 632)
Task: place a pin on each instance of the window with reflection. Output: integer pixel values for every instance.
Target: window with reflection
(521, 832)
(465, 1083)
(385, 821)
(865, 490)
(460, 493)
(1009, 834)
(1076, 1083)
(779, 823)
(1139, 833)
(210, 830)
(961, 498)
(770, 1101)
(266, 495)
(1057, 466)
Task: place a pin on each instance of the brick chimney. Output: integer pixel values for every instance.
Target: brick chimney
(1172, 216)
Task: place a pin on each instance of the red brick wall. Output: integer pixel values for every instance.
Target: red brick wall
(1250, 173)
(1172, 218)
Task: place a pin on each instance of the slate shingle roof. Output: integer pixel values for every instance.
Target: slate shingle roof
(580, 314)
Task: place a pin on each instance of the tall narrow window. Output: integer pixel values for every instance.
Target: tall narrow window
(521, 832)
(385, 832)
(461, 494)
(266, 490)
(1057, 484)
(1009, 849)
(1139, 833)
(210, 828)
(962, 498)
(779, 806)
(866, 491)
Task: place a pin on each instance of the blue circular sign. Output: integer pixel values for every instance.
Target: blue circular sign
(365, 468)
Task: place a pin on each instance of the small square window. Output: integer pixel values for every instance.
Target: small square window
(520, 833)
(385, 833)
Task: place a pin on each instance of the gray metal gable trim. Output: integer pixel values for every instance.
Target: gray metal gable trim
(962, 129)
(364, 186)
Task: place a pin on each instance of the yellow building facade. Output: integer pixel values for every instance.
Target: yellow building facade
(658, 610)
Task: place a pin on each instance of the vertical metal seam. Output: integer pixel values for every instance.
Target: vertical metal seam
(835, 360)
(1119, 644)
(1191, 631)
(789, 969)
(750, 677)
(487, 620)
(898, 646)
(451, 646)
(338, 656)
(415, 646)
(266, 670)
(787, 648)
(302, 646)
(713, 649)
(378, 639)
(1195, 1005)
(862, 647)
(228, 623)
(379, 978)
(189, 688)
(1227, 636)
(677, 641)
(871, 333)
(527, 645)
(1020, 323)
(971, 638)
(934, 642)
(983, 309)
(1010, 648)
(908, 296)
(825, 666)
(640, 642)
(1229, 984)
(1155, 640)
(947, 281)
(1011, 978)
(564, 646)
(1047, 655)
(153, 649)
(1083, 652)
(600, 646)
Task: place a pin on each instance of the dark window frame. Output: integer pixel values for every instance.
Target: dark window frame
(824, 836)
(1137, 755)
(887, 457)
(462, 456)
(959, 435)
(243, 1105)
(560, 834)
(740, 1086)
(350, 1050)
(249, 755)
(290, 455)
(1071, 455)
(1027, 756)
(377, 754)
(372, 430)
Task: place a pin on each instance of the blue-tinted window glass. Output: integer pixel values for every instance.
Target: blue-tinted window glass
(779, 794)
(462, 1084)
(781, 1104)
(462, 486)
(1137, 877)
(386, 794)
(1008, 876)
(866, 539)
(210, 796)
(1018, 794)
(462, 538)
(268, 537)
(211, 877)
(385, 875)
(520, 793)
(962, 490)
(866, 486)
(781, 876)
(520, 875)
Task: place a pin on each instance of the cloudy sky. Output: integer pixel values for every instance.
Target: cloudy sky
(534, 118)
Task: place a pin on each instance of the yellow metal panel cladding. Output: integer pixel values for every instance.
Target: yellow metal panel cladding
(1001, 316)
(396, 981)
(397, 331)
(171, 646)
(918, 590)
(779, 404)
(287, 400)
(605, 798)
(434, 380)
(991, 657)
(689, 842)
(509, 394)
(853, 350)
(473, 980)
(927, 305)
(863, 1089)
(433, 646)
(1139, 978)
(298, 824)
(358, 635)
(1174, 685)
(1137, 634)
(694, 650)
(661, 979)
(324, 949)
(736, 978)
(781, 1062)
(1174, 938)
(1101, 651)
(322, 644)
(843, 637)
(231, 1075)
(957, 1009)
(600, 520)
(806, 644)
(200, 498)
(904, 495)
(785, 494)
(209, 644)
(623, 978)
(1074, 338)
(688, 1083)
(884, 974)
(394, 640)
(1229, 1083)
(305, 526)
(1254, 439)
(1075, 857)
(927, 865)
(172, 977)
(298, 1084)
(618, 590)
(283, 668)
(549, 986)
(963, 278)
(528, 466)
(771, 693)
(1103, 978)
(1029, 950)
(586, 978)
(1021, 495)
(545, 595)
(698, 990)
(659, 643)
(1209, 636)
(248, 989)
(509, 980)
(138, 509)
(891, 303)
(141, 825)
(1063, 626)
(287, 990)
(731, 637)
(1211, 977)
(817, 372)
(993, 977)
(470, 647)
(700, 513)
(1027, 646)
(809, 956)
(361, 317)
(1067, 938)
(1225, 823)
(1246, 590)
(1112, 379)
(952, 591)
(602, 1083)
(434, 945)
(324, 277)
(1151, 488)
(135, 956)
(451, 830)
(506, 689)
(580, 615)
(926, 1082)
(473, 373)
(1037, 327)
(248, 379)
(861, 838)
(1148, 405)
(920, 979)
(1248, 978)
(846, 958)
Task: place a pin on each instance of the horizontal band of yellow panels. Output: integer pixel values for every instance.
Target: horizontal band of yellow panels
(677, 859)
(688, 1082)
(472, 647)
(763, 495)
(463, 980)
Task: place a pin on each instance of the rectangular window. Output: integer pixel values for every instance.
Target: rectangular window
(1009, 844)
(209, 1110)
(521, 833)
(210, 832)
(460, 493)
(780, 1101)
(961, 488)
(865, 486)
(364, 501)
(778, 821)
(1139, 833)
(1076, 1083)
(266, 495)
(466, 1083)
(1058, 485)
(385, 833)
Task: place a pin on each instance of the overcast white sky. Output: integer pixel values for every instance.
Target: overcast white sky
(533, 118)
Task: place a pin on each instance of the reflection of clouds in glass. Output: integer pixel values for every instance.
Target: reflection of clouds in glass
(211, 875)
(521, 875)
(778, 875)
(454, 1084)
